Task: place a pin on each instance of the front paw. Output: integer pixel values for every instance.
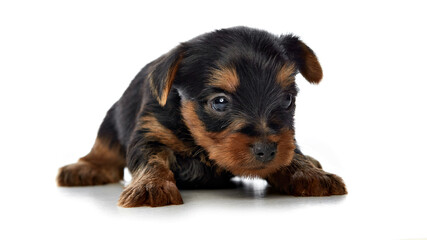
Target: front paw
(86, 174)
(153, 193)
(315, 183)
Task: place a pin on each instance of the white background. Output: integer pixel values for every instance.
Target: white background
(63, 64)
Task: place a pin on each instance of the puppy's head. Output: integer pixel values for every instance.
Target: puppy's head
(238, 90)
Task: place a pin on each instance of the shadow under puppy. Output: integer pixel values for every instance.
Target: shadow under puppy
(217, 106)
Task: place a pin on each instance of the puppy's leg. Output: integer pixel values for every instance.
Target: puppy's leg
(304, 177)
(104, 164)
(153, 182)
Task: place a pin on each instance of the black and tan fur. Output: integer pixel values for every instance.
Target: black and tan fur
(172, 128)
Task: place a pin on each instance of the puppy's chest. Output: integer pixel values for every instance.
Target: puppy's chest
(192, 161)
(198, 171)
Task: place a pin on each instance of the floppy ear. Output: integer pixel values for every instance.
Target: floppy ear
(304, 58)
(163, 72)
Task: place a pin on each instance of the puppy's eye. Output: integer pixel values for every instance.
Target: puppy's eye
(288, 100)
(219, 104)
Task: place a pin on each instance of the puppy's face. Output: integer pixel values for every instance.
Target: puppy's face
(238, 97)
(245, 119)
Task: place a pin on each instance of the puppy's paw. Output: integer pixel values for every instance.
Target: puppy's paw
(86, 174)
(153, 193)
(315, 183)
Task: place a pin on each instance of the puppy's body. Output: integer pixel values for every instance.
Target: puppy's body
(217, 106)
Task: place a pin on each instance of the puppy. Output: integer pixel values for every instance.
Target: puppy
(217, 106)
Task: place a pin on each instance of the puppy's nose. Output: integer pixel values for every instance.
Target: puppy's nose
(264, 151)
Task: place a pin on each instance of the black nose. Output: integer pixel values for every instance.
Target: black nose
(264, 151)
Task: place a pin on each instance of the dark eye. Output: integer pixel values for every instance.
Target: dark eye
(288, 100)
(219, 104)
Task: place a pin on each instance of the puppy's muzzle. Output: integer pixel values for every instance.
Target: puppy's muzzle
(264, 151)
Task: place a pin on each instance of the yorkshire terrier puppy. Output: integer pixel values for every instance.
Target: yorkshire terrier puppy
(217, 106)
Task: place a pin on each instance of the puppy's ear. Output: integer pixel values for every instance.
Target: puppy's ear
(162, 73)
(304, 58)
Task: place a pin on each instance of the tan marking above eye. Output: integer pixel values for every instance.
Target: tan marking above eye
(225, 78)
(285, 75)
